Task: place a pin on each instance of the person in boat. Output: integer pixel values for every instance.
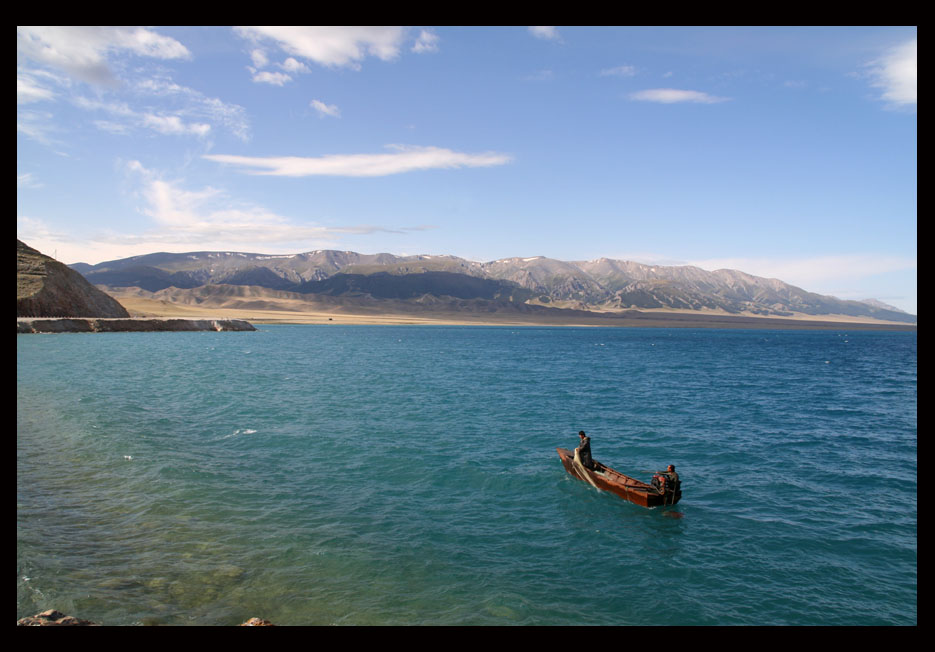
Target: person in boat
(584, 451)
(667, 481)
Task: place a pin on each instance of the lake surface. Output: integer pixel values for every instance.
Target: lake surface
(380, 475)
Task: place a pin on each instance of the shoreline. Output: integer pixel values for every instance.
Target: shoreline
(126, 325)
(151, 308)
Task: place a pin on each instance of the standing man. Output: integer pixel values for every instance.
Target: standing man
(584, 451)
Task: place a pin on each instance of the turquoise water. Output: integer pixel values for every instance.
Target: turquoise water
(358, 475)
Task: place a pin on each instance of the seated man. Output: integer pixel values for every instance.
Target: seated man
(667, 481)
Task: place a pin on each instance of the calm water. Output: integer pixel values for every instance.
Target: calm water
(408, 475)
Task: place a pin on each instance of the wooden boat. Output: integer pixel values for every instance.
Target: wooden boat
(605, 478)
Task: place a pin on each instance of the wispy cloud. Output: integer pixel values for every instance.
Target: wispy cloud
(83, 51)
(814, 271)
(405, 158)
(896, 73)
(427, 41)
(187, 112)
(54, 58)
(38, 125)
(128, 118)
(546, 32)
(184, 219)
(29, 90)
(541, 76)
(619, 71)
(329, 110)
(210, 217)
(327, 46)
(675, 96)
(173, 125)
(192, 104)
(27, 180)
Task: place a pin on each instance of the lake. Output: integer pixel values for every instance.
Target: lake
(383, 475)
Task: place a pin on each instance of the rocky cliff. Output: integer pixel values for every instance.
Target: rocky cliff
(47, 288)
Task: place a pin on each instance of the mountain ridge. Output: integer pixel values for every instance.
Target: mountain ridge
(602, 284)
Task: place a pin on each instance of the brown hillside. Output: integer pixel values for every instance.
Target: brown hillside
(47, 288)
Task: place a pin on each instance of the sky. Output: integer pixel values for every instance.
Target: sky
(786, 153)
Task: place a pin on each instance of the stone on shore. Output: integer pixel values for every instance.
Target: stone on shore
(53, 618)
(257, 622)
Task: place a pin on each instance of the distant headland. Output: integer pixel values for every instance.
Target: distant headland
(52, 298)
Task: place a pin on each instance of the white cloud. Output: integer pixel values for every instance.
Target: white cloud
(294, 66)
(547, 32)
(259, 58)
(675, 96)
(405, 158)
(426, 42)
(896, 73)
(325, 109)
(274, 78)
(82, 51)
(331, 46)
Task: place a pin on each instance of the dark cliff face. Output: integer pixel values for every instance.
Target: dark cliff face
(47, 288)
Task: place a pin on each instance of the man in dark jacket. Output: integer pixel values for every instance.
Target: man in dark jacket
(584, 451)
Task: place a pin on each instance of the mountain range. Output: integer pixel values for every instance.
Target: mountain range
(598, 285)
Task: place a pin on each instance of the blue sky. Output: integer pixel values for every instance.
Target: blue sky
(787, 153)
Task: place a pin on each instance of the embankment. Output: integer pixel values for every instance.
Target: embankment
(118, 325)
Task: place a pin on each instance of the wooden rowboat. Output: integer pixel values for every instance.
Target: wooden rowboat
(605, 478)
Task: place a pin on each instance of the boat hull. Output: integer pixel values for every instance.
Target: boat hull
(606, 479)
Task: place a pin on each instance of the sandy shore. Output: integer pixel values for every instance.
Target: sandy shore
(144, 307)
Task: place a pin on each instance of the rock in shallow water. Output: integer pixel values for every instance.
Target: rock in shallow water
(257, 622)
(53, 618)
